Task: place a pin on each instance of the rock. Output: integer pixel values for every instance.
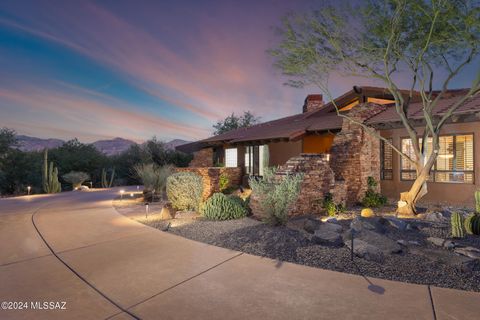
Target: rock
(365, 250)
(398, 223)
(470, 252)
(402, 242)
(328, 238)
(167, 212)
(413, 242)
(367, 213)
(311, 225)
(331, 220)
(186, 215)
(328, 226)
(435, 217)
(459, 262)
(380, 241)
(449, 244)
(376, 224)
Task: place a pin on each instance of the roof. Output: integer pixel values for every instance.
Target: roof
(326, 119)
(415, 110)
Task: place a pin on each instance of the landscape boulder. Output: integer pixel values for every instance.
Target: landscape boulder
(328, 234)
(365, 250)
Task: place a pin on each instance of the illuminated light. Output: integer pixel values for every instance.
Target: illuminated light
(28, 189)
(131, 194)
(328, 156)
(121, 193)
(446, 156)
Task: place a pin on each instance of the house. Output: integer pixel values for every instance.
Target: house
(332, 149)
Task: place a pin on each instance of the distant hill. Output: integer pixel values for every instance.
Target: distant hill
(114, 146)
(26, 143)
(175, 143)
(108, 147)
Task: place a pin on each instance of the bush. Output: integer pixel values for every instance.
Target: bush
(223, 182)
(184, 190)
(222, 207)
(276, 197)
(373, 199)
(330, 206)
(153, 176)
(76, 178)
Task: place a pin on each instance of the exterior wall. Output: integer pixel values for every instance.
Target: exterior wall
(202, 158)
(211, 177)
(438, 192)
(280, 152)
(314, 143)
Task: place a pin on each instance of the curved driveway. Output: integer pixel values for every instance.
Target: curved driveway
(75, 248)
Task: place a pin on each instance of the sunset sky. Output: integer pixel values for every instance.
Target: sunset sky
(136, 69)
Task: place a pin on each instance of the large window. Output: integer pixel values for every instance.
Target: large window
(386, 160)
(455, 163)
(256, 159)
(231, 157)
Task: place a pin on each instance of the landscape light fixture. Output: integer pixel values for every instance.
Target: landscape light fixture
(28, 189)
(131, 194)
(138, 188)
(121, 194)
(146, 210)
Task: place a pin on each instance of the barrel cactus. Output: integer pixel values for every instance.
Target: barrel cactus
(222, 207)
(457, 222)
(472, 224)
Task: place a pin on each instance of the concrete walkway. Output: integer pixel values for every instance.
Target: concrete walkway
(75, 248)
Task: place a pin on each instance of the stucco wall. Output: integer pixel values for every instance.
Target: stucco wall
(280, 152)
(438, 192)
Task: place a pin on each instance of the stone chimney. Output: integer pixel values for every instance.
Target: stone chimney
(313, 102)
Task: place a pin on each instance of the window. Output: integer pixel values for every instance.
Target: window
(231, 157)
(386, 156)
(455, 163)
(256, 159)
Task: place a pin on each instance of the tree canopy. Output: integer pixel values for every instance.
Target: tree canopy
(234, 122)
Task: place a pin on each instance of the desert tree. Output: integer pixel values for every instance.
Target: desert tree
(233, 122)
(429, 43)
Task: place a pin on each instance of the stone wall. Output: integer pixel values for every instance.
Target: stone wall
(211, 177)
(202, 158)
(355, 153)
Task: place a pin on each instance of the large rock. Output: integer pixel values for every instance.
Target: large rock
(382, 242)
(435, 217)
(365, 250)
(310, 225)
(470, 252)
(459, 262)
(400, 224)
(167, 212)
(327, 238)
(377, 224)
(328, 234)
(439, 242)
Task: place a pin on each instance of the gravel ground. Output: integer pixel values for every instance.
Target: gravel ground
(288, 244)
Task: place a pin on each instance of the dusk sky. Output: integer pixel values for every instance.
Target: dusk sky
(136, 69)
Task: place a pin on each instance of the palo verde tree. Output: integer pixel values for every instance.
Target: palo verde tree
(430, 42)
(233, 122)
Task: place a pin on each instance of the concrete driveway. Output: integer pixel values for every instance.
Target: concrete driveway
(72, 256)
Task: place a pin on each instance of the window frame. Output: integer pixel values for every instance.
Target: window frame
(383, 145)
(434, 170)
(236, 157)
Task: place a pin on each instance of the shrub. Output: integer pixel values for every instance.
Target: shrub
(184, 190)
(373, 199)
(152, 176)
(330, 206)
(222, 207)
(76, 178)
(223, 182)
(276, 196)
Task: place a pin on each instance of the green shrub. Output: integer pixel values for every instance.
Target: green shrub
(76, 178)
(184, 190)
(331, 207)
(222, 207)
(373, 199)
(223, 182)
(153, 176)
(276, 196)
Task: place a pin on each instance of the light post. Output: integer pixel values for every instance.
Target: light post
(28, 189)
(138, 188)
(146, 210)
(121, 194)
(91, 185)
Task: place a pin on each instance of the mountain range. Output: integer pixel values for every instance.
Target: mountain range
(108, 147)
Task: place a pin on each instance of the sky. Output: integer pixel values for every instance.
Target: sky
(137, 69)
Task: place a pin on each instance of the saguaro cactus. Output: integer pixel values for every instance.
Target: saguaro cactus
(50, 176)
(477, 201)
(105, 182)
(457, 225)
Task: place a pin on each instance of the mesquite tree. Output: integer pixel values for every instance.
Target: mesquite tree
(429, 42)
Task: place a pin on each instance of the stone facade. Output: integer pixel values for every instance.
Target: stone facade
(354, 156)
(211, 177)
(355, 153)
(202, 158)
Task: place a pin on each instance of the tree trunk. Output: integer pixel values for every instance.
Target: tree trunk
(408, 200)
